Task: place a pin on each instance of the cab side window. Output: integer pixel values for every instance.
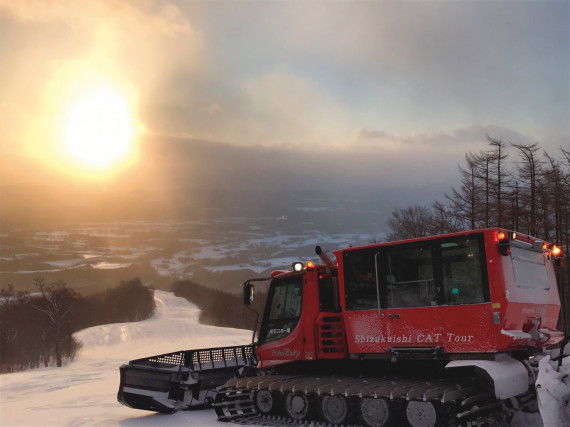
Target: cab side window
(360, 280)
(409, 277)
(328, 294)
(462, 272)
(446, 271)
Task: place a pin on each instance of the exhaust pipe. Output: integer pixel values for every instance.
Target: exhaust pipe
(324, 257)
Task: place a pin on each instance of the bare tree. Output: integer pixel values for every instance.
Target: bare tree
(500, 179)
(466, 201)
(411, 222)
(444, 219)
(563, 238)
(56, 303)
(529, 171)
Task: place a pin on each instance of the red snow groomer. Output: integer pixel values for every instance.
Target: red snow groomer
(439, 330)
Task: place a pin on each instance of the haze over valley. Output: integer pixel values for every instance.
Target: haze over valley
(224, 239)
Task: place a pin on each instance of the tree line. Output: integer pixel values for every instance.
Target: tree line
(220, 308)
(510, 185)
(36, 329)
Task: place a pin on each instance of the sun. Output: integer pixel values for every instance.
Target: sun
(99, 129)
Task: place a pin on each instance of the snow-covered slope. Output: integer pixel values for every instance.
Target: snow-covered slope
(84, 391)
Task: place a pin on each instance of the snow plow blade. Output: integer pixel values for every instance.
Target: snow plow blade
(182, 380)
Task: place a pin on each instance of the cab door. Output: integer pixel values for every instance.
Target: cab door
(282, 338)
(409, 297)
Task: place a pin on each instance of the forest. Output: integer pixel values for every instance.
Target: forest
(221, 308)
(36, 328)
(514, 186)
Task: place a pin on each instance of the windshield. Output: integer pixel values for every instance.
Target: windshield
(283, 308)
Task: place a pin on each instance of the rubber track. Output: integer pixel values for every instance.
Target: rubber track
(471, 398)
(268, 420)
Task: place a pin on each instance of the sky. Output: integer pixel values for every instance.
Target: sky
(299, 93)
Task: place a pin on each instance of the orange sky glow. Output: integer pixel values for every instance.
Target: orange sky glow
(90, 90)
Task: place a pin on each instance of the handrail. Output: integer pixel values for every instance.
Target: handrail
(377, 282)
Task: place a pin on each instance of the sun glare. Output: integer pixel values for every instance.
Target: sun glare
(99, 129)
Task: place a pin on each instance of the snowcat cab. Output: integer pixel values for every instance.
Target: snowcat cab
(302, 320)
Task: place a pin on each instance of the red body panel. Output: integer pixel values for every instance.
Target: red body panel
(286, 350)
(453, 329)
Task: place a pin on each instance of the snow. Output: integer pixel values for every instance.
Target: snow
(84, 391)
(553, 388)
(509, 375)
(255, 251)
(516, 334)
(178, 249)
(64, 263)
(110, 265)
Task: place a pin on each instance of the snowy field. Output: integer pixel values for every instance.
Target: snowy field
(101, 255)
(83, 393)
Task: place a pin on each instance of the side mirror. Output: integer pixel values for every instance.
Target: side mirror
(247, 293)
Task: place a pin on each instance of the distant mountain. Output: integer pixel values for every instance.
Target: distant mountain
(192, 179)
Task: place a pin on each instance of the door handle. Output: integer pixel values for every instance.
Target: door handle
(394, 316)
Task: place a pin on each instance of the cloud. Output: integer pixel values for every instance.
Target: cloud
(285, 107)
(471, 137)
(56, 52)
(277, 107)
(127, 41)
(420, 65)
(360, 134)
(158, 16)
(377, 91)
(377, 160)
